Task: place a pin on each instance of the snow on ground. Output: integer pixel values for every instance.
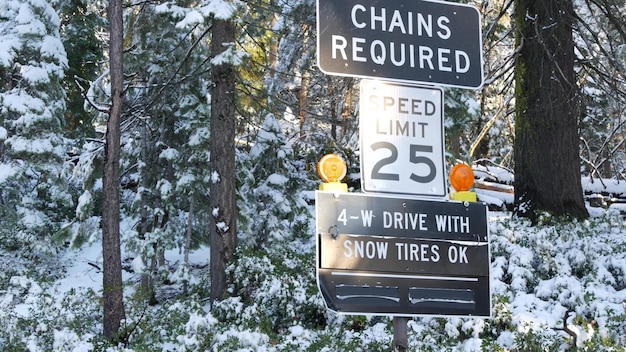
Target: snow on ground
(541, 277)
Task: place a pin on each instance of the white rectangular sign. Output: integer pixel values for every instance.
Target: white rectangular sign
(402, 144)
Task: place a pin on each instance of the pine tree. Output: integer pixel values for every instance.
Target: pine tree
(34, 200)
(80, 25)
(321, 108)
(168, 107)
(112, 285)
(273, 196)
(547, 167)
(222, 164)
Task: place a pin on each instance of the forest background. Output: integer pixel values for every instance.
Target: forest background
(55, 103)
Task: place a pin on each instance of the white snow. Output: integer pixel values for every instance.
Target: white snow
(277, 179)
(21, 102)
(201, 135)
(6, 171)
(83, 202)
(169, 154)
(222, 226)
(215, 177)
(611, 186)
(191, 18)
(35, 74)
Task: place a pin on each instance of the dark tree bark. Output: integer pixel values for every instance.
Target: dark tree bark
(111, 253)
(222, 166)
(547, 166)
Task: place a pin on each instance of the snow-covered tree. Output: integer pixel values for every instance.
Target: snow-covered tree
(165, 139)
(320, 108)
(273, 199)
(34, 201)
(82, 26)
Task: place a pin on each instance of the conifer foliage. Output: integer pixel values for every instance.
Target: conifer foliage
(34, 199)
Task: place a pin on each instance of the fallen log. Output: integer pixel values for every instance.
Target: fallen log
(493, 186)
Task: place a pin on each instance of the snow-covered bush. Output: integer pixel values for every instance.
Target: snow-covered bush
(271, 292)
(554, 273)
(45, 320)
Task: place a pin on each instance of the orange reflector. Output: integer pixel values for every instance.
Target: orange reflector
(332, 168)
(461, 177)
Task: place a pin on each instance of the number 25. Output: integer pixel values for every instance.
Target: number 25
(413, 158)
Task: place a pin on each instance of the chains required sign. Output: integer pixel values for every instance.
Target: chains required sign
(432, 42)
(402, 145)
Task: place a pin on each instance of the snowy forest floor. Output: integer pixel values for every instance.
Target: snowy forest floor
(558, 286)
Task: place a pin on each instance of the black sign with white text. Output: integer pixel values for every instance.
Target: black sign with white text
(376, 215)
(402, 255)
(416, 41)
(386, 255)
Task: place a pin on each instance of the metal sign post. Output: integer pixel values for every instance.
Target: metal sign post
(400, 334)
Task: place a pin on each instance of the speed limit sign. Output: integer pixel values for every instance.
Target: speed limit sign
(402, 144)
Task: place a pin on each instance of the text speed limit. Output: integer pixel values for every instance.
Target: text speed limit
(402, 148)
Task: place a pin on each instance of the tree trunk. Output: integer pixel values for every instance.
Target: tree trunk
(547, 167)
(333, 113)
(273, 53)
(347, 106)
(147, 279)
(112, 288)
(303, 95)
(187, 246)
(304, 102)
(222, 190)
